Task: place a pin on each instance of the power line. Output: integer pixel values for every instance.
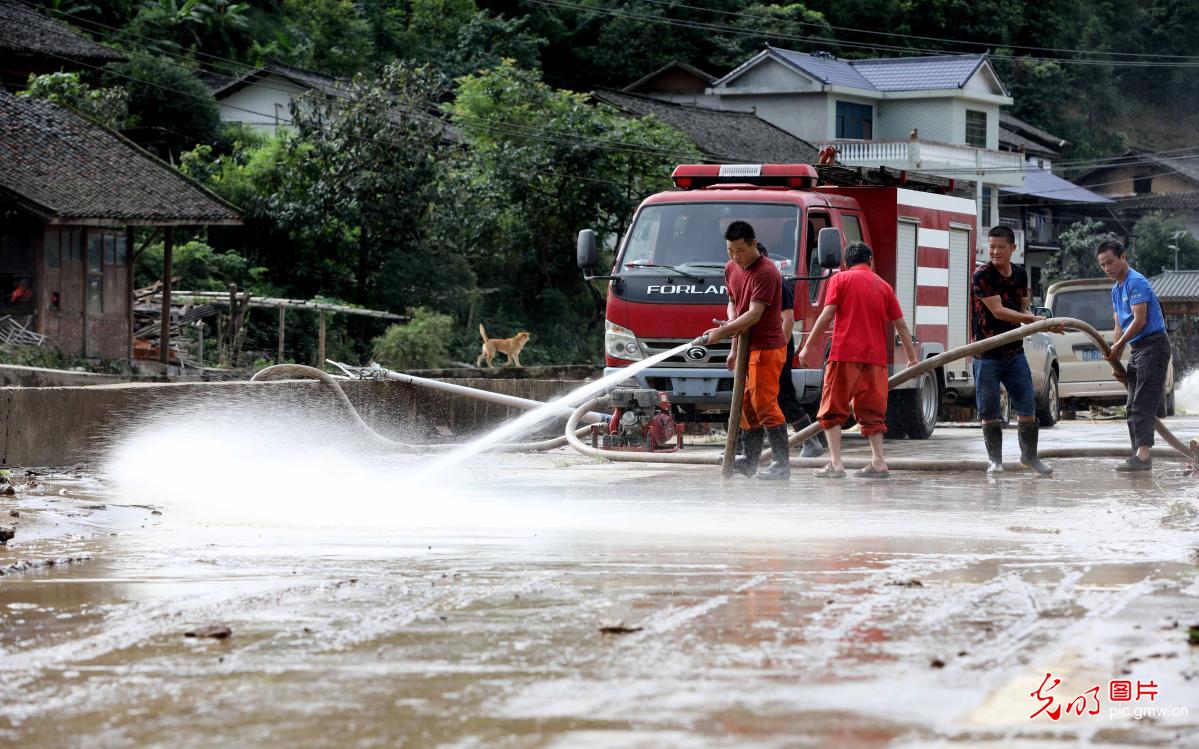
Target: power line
(724, 28)
(502, 127)
(897, 35)
(519, 131)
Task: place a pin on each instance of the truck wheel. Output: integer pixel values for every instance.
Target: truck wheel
(1049, 409)
(919, 407)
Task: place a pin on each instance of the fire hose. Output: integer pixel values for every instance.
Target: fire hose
(574, 432)
(285, 371)
(1188, 452)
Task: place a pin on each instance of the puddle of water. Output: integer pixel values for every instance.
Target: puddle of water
(370, 610)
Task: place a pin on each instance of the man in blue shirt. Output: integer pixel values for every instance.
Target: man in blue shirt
(1140, 326)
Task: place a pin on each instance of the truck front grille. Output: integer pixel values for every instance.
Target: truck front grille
(719, 353)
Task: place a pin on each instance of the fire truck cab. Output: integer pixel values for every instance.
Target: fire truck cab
(667, 282)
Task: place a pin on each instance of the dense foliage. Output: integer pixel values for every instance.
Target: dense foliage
(457, 170)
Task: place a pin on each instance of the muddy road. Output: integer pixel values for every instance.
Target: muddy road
(551, 601)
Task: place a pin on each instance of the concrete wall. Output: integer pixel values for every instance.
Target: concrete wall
(264, 105)
(934, 118)
(65, 425)
(806, 116)
(12, 375)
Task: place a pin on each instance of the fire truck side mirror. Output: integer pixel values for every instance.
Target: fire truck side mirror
(588, 255)
(828, 248)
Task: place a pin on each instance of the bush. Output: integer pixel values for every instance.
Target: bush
(423, 343)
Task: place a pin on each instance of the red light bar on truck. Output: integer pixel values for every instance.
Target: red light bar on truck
(695, 176)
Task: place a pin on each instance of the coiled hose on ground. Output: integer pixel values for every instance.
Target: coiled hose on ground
(574, 432)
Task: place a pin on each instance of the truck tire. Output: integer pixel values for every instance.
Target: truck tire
(1049, 408)
(918, 407)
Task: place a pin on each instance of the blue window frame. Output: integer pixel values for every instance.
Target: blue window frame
(855, 120)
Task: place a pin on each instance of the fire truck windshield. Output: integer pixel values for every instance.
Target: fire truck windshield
(693, 233)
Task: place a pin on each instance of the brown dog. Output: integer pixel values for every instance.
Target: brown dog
(509, 346)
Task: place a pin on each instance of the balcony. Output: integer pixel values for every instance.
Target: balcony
(951, 160)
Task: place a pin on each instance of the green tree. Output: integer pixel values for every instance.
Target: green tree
(1077, 256)
(108, 106)
(422, 343)
(331, 36)
(357, 185)
(198, 267)
(539, 165)
(1154, 239)
(165, 95)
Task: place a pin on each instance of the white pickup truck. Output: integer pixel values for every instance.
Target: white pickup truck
(1085, 377)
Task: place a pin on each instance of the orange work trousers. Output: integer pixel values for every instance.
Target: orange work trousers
(760, 404)
(863, 385)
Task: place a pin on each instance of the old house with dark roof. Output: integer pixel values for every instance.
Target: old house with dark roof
(71, 193)
(1142, 182)
(675, 81)
(34, 43)
(262, 97)
(723, 137)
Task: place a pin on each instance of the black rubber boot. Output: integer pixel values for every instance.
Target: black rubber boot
(993, 439)
(1027, 435)
(746, 464)
(780, 467)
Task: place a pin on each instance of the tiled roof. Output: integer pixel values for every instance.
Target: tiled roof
(1032, 133)
(1012, 141)
(1184, 202)
(1179, 285)
(24, 31)
(676, 65)
(1186, 168)
(825, 67)
(887, 73)
(919, 73)
(736, 137)
(326, 84)
(62, 166)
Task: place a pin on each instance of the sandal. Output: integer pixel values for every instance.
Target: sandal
(828, 472)
(870, 472)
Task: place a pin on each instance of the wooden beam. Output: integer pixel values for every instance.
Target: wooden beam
(164, 325)
(129, 237)
(282, 332)
(320, 348)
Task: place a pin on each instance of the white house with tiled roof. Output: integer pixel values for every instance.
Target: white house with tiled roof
(938, 115)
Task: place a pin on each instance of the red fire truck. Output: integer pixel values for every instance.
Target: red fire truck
(667, 283)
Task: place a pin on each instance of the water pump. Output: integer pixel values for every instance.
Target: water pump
(641, 421)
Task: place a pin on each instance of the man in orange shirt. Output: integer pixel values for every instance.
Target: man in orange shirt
(755, 289)
(862, 307)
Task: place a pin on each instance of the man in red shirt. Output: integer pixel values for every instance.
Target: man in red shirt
(755, 289)
(862, 306)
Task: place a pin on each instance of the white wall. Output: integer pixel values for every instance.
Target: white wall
(262, 104)
(934, 118)
(959, 125)
(772, 74)
(804, 116)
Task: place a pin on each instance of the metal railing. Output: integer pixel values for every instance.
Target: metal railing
(952, 160)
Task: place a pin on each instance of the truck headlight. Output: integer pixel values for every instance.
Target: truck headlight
(620, 343)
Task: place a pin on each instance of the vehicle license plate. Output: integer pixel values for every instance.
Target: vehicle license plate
(1091, 354)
